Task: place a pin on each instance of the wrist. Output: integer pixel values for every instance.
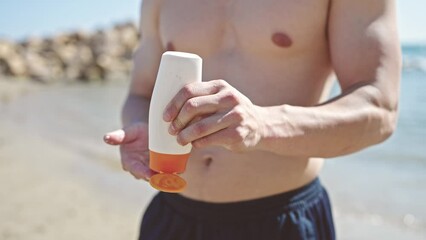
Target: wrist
(274, 128)
(265, 127)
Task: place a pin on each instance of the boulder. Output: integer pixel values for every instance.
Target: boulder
(77, 55)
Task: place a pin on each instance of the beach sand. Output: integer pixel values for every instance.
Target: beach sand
(58, 180)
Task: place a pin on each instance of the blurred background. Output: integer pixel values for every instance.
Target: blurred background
(64, 69)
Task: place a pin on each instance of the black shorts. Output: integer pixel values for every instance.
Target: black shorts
(303, 213)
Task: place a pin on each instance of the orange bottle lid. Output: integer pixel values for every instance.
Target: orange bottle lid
(167, 182)
(167, 163)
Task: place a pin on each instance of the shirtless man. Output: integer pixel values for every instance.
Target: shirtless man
(258, 123)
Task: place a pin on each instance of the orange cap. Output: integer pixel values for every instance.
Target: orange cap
(167, 182)
(167, 163)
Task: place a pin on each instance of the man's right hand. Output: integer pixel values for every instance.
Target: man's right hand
(133, 141)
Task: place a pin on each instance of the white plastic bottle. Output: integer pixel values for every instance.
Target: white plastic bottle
(166, 156)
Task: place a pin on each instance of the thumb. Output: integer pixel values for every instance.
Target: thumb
(115, 138)
(125, 135)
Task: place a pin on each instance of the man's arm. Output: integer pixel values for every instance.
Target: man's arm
(146, 60)
(133, 138)
(365, 54)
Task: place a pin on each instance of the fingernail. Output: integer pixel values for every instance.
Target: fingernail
(180, 141)
(106, 138)
(167, 116)
(172, 129)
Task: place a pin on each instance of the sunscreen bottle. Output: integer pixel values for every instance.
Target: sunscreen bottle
(167, 157)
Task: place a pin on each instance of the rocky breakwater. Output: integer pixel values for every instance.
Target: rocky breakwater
(79, 55)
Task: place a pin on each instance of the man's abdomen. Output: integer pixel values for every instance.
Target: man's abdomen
(217, 175)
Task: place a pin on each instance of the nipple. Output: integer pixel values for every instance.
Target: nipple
(281, 40)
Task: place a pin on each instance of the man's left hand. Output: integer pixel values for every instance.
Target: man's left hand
(214, 113)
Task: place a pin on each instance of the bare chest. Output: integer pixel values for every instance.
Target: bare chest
(208, 27)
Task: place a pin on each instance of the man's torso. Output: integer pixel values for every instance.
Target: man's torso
(274, 52)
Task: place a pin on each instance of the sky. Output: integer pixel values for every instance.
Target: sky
(21, 18)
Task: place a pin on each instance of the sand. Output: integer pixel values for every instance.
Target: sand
(59, 181)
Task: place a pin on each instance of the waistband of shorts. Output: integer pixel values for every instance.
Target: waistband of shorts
(285, 202)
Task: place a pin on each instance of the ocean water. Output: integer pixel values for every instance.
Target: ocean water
(414, 57)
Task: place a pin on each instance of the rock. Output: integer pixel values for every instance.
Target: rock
(129, 39)
(11, 62)
(6, 49)
(37, 66)
(33, 43)
(78, 55)
(17, 66)
(4, 67)
(93, 72)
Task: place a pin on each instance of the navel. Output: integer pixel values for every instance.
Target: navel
(208, 161)
(281, 40)
(170, 47)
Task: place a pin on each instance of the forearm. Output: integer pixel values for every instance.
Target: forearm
(341, 126)
(135, 109)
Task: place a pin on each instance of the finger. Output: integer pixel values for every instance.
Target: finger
(190, 91)
(138, 166)
(198, 106)
(205, 127)
(125, 135)
(141, 171)
(224, 138)
(128, 158)
(114, 138)
(204, 105)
